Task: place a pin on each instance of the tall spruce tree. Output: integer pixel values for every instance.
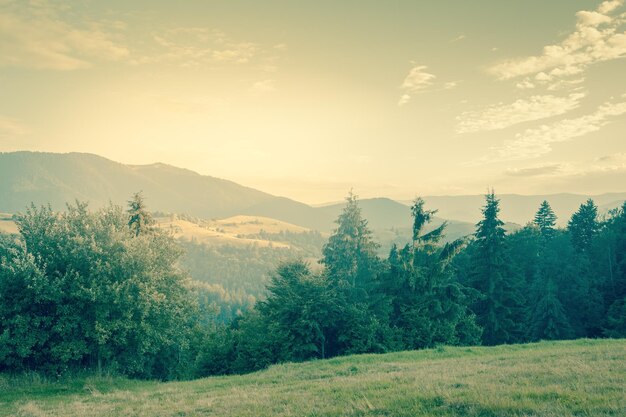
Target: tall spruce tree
(139, 218)
(499, 309)
(352, 268)
(616, 295)
(545, 220)
(583, 226)
(429, 307)
(619, 275)
(548, 320)
(350, 254)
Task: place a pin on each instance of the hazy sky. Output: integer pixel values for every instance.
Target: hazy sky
(309, 99)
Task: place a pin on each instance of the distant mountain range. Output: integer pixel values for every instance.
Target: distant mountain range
(43, 178)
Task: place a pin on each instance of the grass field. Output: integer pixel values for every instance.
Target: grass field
(559, 379)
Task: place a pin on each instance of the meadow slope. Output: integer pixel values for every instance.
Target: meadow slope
(573, 378)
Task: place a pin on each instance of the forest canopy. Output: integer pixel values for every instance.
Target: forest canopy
(104, 290)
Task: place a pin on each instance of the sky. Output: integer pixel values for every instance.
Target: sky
(311, 99)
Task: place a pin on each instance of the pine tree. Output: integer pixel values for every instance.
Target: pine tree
(548, 320)
(620, 253)
(545, 220)
(139, 218)
(499, 309)
(350, 254)
(616, 296)
(584, 226)
(428, 305)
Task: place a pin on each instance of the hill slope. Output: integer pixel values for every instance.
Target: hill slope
(574, 378)
(45, 178)
(53, 178)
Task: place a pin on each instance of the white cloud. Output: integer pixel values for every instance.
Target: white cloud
(501, 116)
(598, 37)
(404, 99)
(35, 35)
(458, 38)
(193, 47)
(450, 85)
(525, 85)
(609, 6)
(265, 86)
(533, 143)
(417, 79)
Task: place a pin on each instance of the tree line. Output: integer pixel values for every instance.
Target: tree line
(104, 290)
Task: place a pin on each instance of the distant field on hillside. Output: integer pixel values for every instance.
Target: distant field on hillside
(573, 378)
(231, 231)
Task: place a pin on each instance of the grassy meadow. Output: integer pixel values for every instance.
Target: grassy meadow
(572, 378)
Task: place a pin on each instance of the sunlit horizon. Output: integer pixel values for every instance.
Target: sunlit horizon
(311, 100)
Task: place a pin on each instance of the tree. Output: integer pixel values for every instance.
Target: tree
(619, 275)
(499, 309)
(84, 291)
(139, 218)
(428, 305)
(616, 295)
(583, 226)
(302, 309)
(548, 319)
(545, 220)
(350, 254)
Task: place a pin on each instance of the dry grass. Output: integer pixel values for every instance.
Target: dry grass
(219, 233)
(578, 378)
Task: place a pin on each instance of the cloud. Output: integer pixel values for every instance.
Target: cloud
(450, 85)
(265, 86)
(35, 35)
(404, 99)
(609, 6)
(534, 171)
(598, 37)
(458, 38)
(501, 116)
(525, 85)
(417, 80)
(49, 35)
(533, 143)
(193, 47)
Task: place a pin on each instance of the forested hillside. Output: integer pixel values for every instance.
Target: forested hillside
(104, 289)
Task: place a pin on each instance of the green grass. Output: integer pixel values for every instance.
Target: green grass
(574, 378)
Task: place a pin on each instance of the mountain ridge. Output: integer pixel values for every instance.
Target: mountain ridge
(58, 178)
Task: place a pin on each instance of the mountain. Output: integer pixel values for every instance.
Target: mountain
(44, 178)
(381, 213)
(293, 212)
(53, 178)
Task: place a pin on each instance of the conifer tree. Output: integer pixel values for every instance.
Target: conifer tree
(139, 218)
(350, 254)
(545, 219)
(583, 226)
(499, 309)
(548, 320)
(428, 305)
(620, 253)
(616, 296)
